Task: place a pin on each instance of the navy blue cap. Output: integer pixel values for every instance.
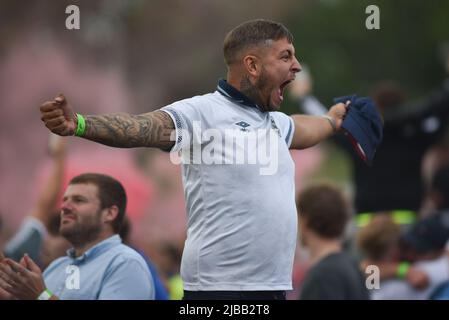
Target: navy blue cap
(428, 234)
(363, 126)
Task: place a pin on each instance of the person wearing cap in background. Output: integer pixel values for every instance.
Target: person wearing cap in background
(400, 268)
(439, 198)
(421, 249)
(379, 244)
(424, 245)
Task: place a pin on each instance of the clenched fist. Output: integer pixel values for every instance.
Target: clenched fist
(338, 113)
(58, 116)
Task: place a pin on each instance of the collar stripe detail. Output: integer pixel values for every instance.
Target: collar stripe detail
(232, 93)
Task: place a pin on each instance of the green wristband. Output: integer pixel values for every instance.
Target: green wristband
(402, 269)
(81, 128)
(45, 295)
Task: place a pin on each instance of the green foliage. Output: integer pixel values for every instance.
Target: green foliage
(345, 57)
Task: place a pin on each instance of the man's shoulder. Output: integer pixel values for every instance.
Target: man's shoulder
(198, 108)
(334, 264)
(122, 253)
(279, 116)
(278, 113)
(198, 100)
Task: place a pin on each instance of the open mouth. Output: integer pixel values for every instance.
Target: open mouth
(282, 87)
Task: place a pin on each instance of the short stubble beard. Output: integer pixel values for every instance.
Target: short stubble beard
(79, 235)
(254, 91)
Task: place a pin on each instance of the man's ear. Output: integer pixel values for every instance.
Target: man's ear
(252, 64)
(111, 214)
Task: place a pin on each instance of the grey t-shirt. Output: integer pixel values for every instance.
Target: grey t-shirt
(335, 277)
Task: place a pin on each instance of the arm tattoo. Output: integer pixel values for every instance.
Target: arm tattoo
(151, 129)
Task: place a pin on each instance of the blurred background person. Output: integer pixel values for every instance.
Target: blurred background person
(32, 234)
(379, 244)
(55, 245)
(92, 214)
(393, 183)
(171, 253)
(413, 262)
(160, 292)
(434, 159)
(424, 245)
(335, 275)
(437, 197)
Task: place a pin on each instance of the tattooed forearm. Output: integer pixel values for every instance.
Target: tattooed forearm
(151, 129)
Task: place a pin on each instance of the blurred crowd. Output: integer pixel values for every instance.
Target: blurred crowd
(387, 238)
(381, 234)
(394, 224)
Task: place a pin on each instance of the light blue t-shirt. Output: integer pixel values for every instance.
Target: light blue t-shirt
(108, 271)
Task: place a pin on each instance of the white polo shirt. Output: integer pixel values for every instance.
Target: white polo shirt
(240, 195)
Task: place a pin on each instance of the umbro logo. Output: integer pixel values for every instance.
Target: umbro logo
(243, 125)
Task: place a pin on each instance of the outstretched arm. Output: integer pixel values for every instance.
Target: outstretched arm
(310, 130)
(152, 129)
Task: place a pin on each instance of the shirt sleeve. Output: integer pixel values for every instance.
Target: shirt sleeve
(285, 124)
(184, 113)
(128, 279)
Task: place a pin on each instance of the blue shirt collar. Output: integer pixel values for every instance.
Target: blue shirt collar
(97, 249)
(232, 93)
